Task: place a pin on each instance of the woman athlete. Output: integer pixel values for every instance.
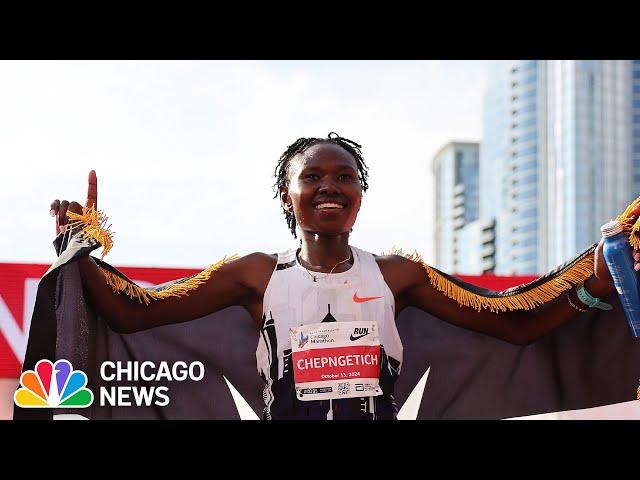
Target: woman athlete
(320, 183)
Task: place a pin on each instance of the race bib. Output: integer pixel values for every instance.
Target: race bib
(336, 360)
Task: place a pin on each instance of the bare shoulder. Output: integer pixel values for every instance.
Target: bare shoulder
(250, 272)
(257, 260)
(397, 264)
(255, 264)
(400, 273)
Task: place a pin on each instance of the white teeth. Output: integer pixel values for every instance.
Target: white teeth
(329, 205)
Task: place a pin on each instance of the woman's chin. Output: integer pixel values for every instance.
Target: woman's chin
(328, 232)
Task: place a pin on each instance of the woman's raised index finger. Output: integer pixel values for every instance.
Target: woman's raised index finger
(92, 191)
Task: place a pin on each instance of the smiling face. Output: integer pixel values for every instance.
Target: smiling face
(324, 190)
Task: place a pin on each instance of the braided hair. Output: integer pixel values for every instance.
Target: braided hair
(281, 172)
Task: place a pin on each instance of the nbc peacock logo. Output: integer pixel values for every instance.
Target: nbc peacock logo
(53, 385)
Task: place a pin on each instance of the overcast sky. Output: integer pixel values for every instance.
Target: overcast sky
(185, 150)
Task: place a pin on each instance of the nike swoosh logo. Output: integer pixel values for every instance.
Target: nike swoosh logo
(358, 299)
(358, 336)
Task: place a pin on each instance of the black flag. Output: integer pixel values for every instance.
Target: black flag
(591, 361)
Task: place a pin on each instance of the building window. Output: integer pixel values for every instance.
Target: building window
(528, 136)
(529, 227)
(529, 164)
(527, 194)
(527, 151)
(530, 107)
(527, 257)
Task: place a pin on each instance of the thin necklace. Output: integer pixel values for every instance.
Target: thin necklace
(326, 274)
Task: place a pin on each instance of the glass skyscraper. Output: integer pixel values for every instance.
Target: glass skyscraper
(560, 156)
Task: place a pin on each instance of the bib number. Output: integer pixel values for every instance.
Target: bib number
(336, 360)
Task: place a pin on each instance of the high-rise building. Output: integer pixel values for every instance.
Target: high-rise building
(455, 168)
(509, 163)
(558, 156)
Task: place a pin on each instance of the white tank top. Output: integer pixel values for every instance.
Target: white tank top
(292, 298)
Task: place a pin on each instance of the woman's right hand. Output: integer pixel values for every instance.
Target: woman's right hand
(241, 282)
(59, 208)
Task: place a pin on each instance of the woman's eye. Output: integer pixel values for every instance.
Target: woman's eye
(345, 177)
(312, 176)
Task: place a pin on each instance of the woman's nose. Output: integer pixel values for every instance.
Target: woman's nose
(328, 186)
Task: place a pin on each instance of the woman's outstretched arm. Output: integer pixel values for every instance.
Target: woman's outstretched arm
(239, 281)
(519, 327)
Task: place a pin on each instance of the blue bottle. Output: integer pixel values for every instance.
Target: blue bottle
(618, 255)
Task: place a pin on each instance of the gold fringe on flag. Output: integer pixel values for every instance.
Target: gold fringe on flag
(510, 299)
(92, 224)
(178, 289)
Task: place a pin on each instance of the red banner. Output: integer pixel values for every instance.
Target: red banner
(18, 287)
(19, 284)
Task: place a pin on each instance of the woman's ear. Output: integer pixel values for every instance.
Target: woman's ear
(285, 200)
